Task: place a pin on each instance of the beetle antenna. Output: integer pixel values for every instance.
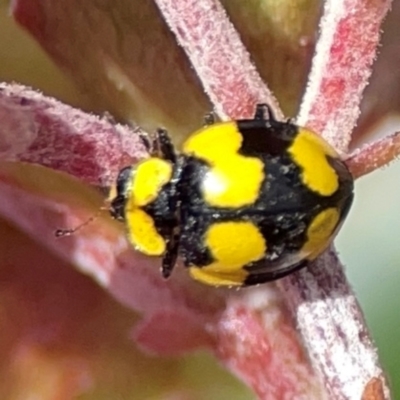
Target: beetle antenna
(262, 109)
(67, 232)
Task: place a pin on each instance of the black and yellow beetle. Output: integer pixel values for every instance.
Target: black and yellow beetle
(244, 202)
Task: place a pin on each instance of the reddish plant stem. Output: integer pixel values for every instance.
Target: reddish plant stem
(374, 155)
(42, 130)
(333, 328)
(221, 61)
(349, 37)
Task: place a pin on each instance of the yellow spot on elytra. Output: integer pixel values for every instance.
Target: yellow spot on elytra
(232, 245)
(309, 152)
(148, 179)
(320, 232)
(213, 278)
(233, 180)
(142, 233)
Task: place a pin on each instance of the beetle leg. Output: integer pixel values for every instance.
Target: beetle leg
(170, 256)
(261, 110)
(146, 141)
(163, 145)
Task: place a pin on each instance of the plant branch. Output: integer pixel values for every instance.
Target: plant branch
(374, 155)
(217, 54)
(349, 37)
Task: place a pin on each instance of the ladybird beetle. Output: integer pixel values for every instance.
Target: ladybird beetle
(244, 202)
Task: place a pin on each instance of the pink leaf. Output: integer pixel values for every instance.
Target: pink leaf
(158, 333)
(256, 340)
